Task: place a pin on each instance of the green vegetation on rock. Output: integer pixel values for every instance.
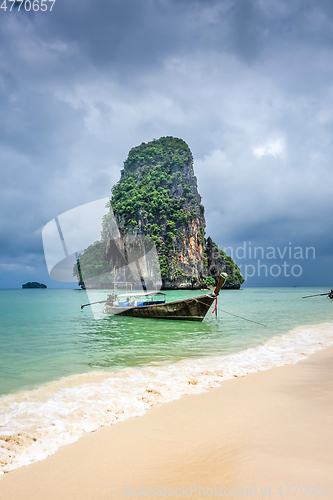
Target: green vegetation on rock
(146, 188)
(93, 264)
(210, 281)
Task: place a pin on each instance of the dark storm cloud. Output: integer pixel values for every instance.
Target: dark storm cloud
(106, 33)
(246, 83)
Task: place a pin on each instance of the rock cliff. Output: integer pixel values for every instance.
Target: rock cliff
(157, 196)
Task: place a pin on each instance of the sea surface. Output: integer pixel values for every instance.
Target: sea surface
(66, 371)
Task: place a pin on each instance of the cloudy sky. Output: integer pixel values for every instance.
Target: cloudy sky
(248, 84)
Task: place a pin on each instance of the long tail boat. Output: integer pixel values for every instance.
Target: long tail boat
(153, 305)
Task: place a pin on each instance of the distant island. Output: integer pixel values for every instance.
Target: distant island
(34, 284)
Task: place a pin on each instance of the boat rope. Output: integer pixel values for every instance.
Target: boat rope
(195, 300)
(231, 314)
(245, 319)
(200, 301)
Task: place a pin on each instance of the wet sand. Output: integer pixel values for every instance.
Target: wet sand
(246, 438)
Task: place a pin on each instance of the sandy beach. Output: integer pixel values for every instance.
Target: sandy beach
(253, 436)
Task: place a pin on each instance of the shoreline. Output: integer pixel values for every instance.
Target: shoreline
(62, 412)
(265, 429)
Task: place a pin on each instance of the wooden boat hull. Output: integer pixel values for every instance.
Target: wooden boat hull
(194, 309)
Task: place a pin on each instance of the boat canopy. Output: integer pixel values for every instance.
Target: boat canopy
(144, 294)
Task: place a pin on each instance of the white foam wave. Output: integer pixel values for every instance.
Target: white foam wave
(34, 424)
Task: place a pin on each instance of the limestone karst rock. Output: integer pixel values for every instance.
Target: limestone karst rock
(157, 196)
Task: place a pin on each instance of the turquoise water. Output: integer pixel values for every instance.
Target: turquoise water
(64, 373)
(44, 335)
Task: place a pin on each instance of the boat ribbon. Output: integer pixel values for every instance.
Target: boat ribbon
(215, 308)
